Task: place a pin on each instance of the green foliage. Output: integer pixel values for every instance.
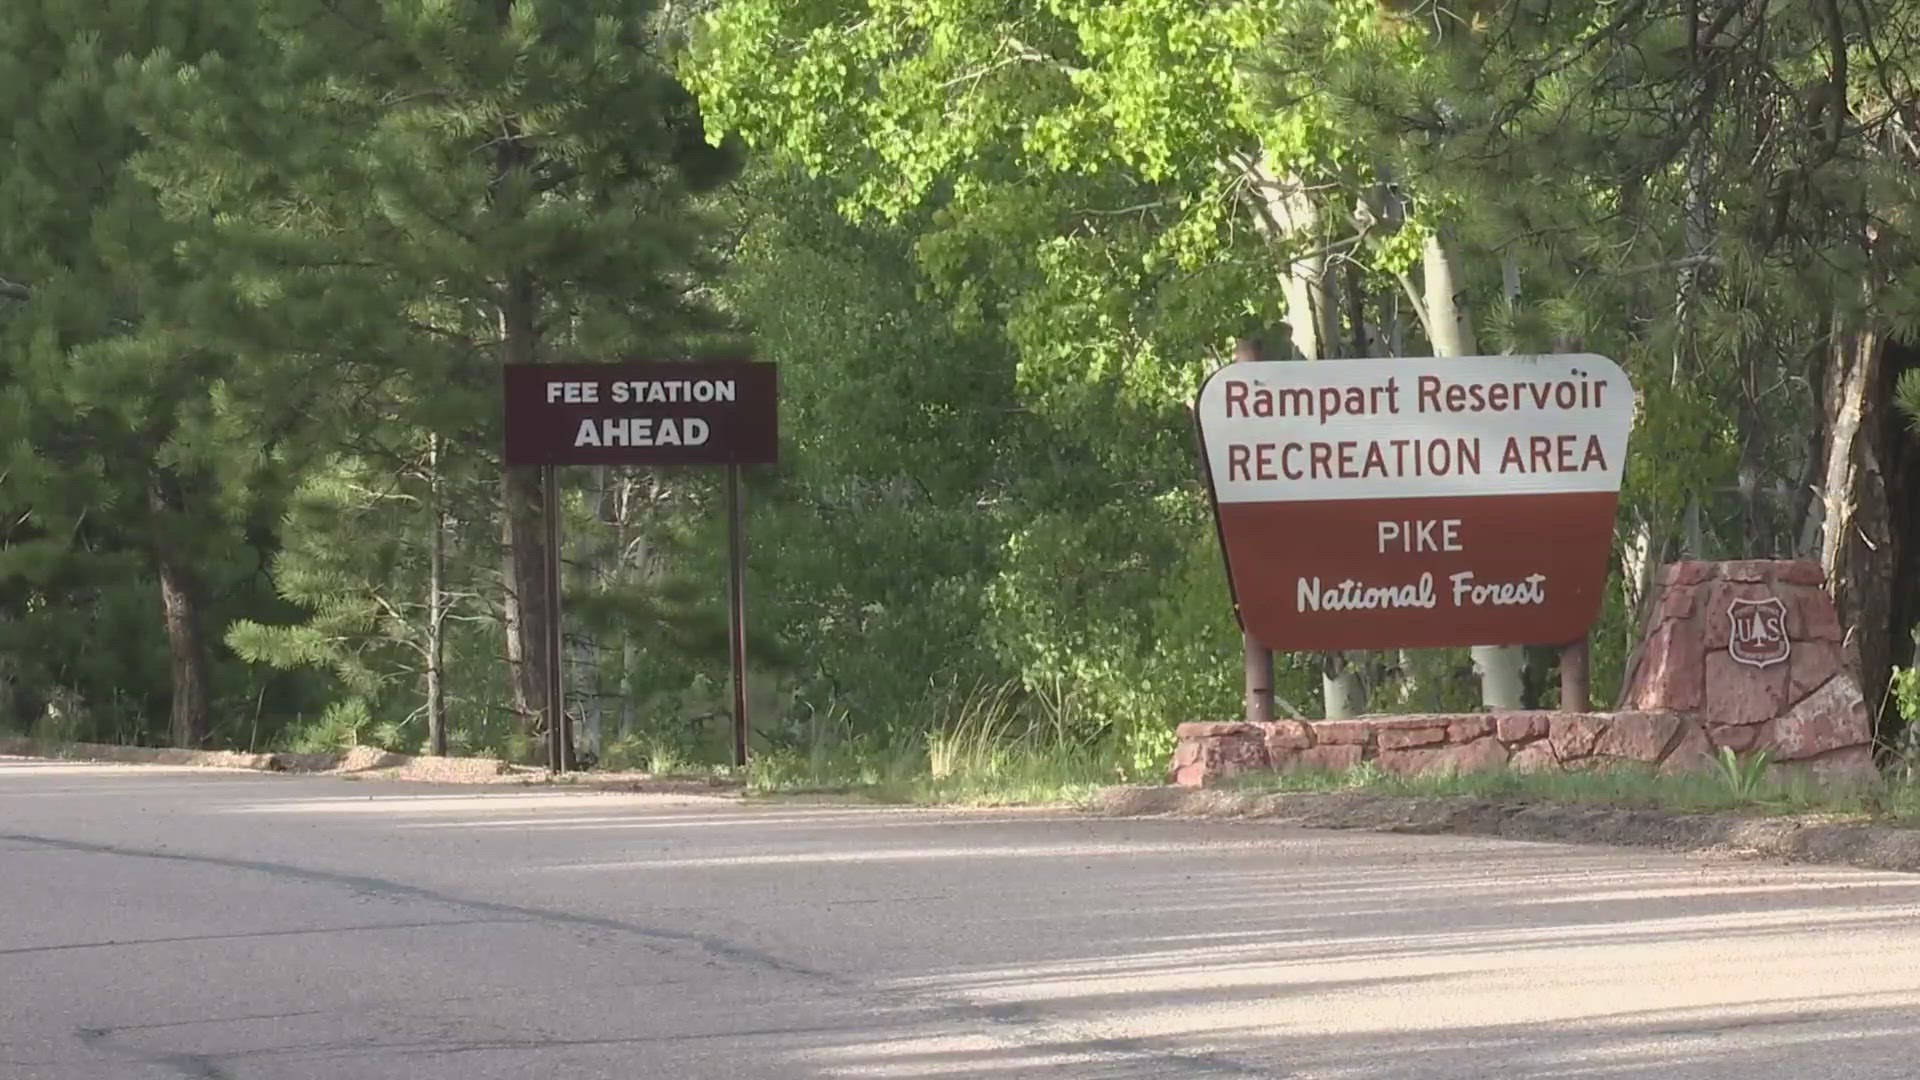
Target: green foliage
(125, 450)
(1904, 691)
(256, 258)
(1745, 775)
(991, 744)
(1906, 397)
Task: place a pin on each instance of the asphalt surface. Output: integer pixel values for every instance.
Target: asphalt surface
(168, 923)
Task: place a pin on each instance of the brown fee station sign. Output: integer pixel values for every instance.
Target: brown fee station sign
(692, 412)
(705, 412)
(1416, 503)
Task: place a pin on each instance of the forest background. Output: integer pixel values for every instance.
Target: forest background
(261, 261)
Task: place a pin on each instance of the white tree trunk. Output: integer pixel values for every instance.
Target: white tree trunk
(1499, 666)
(624, 564)
(1854, 362)
(1345, 696)
(1284, 212)
(436, 606)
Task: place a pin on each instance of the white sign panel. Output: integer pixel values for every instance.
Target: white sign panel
(1289, 431)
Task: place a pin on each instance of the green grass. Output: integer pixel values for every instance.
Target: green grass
(1002, 748)
(999, 745)
(1004, 745)
(1735, 785)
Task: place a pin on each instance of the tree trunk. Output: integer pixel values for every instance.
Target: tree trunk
(189, 721)
(528, 609)
(528, 606)
(436, 606)
(602, 571)
(1283, 211)
(1856, 549)
(1900, 462)
(624, 570)
(583, 663)
(1344, 695)
(9, 667)
(1500, 667)
(1287, 212)
(526, 601)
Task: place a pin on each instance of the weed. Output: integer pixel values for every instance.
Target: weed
(1745, 776)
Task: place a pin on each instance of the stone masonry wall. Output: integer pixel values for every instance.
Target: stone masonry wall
(1692, 689)
(1805, 708)
(1208, 753)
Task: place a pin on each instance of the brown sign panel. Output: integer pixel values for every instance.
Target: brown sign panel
(697, 412)
(1422, 503)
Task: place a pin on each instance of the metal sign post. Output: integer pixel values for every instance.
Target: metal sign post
(737, 613)
(558, 744)
(1256, 659)
(698, 412)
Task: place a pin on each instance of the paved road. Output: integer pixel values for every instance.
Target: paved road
(162, 924)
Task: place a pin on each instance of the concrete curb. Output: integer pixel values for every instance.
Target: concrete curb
(1786, 839)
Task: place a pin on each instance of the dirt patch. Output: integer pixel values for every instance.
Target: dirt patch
(1787, 839)
(133, 755)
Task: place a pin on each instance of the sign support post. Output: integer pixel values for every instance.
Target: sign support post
(553, 643)
(737, 613)
(1257, 659)
(1574, 677)
(1258, 663)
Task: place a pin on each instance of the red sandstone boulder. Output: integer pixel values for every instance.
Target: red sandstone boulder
(1638, 736)
(1740, 740)
(1202, 758)
(1573, 735)
(1847, 765)
(1356, 732)
(1400, 738)
(1336, 757)
(1468, 728)
(1477, 755)
(1739, 694)
(1521, 726)
(1819, 620)
(1282, 735)
(1833, 717)
(1534, 757)
(1668, 674)
(1693, 753)
(1810, 667)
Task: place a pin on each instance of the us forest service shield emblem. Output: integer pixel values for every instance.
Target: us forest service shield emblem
(1759, 631)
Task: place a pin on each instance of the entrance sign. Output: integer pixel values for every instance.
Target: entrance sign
(702, 412)
(694, 412)
(1419, 503)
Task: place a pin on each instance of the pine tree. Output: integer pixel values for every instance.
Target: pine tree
(121, 447)
(406, 196)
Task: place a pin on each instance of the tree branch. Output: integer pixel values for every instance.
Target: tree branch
(1419, 304)
(11, 290)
